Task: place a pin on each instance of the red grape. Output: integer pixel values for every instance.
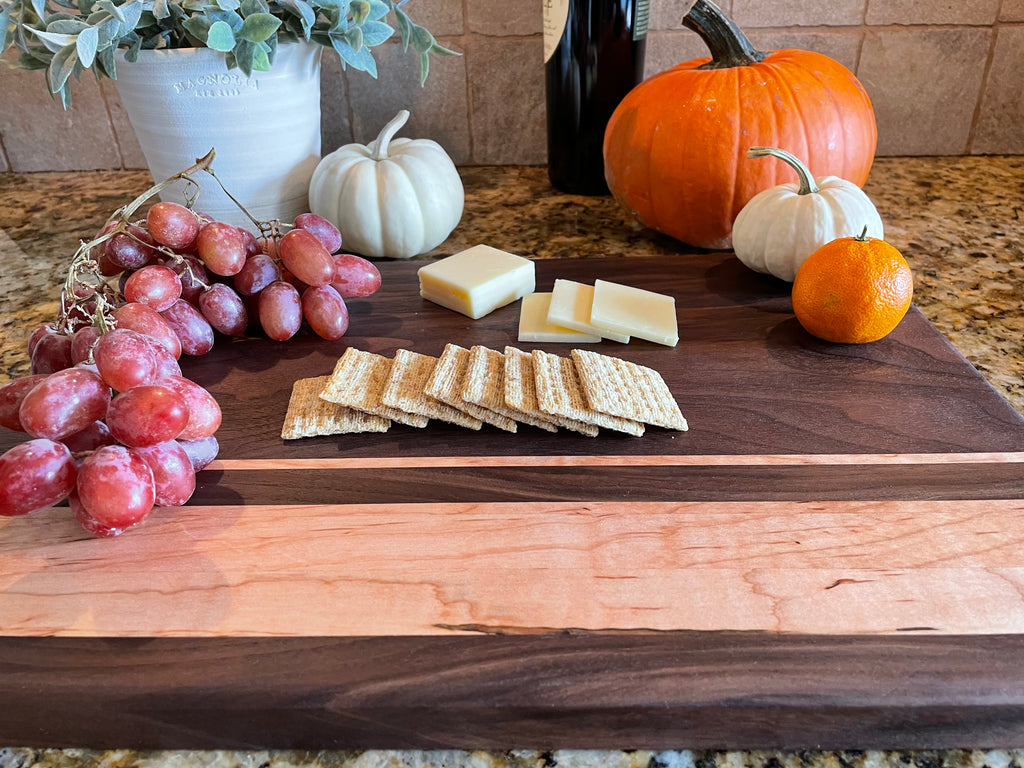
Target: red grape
(201, 452)
(11, 395)
(156, 286)
(115, 487)
(147, 321)
(64, 403)
(221, 247)
(321, 229)
(325, 311)
(52, 352)
(280, 310)
(204, 414)
(173, 476)
(147, 415)
(193, 275)
(252, 245)
(306, 258)
(87, 521)
(36, 335)
(166, 365)
(125, 358)
(131, 249)
(92, 437)
(354, 276)
(193, 330)
(224, 310)
(33, 475)
(82, 342)
(258, 272)
(172, 225)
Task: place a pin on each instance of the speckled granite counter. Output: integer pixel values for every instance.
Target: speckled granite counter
(956, 219)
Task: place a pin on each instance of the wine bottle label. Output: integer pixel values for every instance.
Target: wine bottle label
(556, 14)
(643, 12)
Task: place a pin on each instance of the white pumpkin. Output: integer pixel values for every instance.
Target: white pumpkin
(393, 197)
(780, 227)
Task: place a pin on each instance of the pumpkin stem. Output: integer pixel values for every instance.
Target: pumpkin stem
(379, 147)
(728, 45)
(807, 184)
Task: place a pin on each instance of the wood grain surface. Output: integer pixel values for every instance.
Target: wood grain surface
(832, 555)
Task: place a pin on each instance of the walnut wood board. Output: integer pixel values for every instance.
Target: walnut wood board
(831, 555)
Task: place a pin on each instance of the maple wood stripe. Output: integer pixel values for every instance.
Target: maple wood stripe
(719, 460)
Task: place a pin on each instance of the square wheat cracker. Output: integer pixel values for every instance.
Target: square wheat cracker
(521, 392)
(406, 390)
(485, 385)
(559, 392)
(621, 388)
(358, 382)
(446, 385)
(308, 415)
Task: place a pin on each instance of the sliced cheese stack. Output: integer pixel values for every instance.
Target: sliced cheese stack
(477, 281)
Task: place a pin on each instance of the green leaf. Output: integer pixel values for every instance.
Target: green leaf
(354, 37)
(378, 10)
(245, 54)
(376, 32)
(107, 62)
(361, 59)
(424, 67)
(404, 27)
(220, 37)
(259, 27)
(110, 8)
(304, 11)
(198, 27)
(131, 13)
(5, 18)
(39, 6)
(227, 5)
(359, 9)
(422, 40)
(260, 60)
(86, 45)
(160, 9)
(61, 67)
(249, 7)
(65, 26)
(54, 41)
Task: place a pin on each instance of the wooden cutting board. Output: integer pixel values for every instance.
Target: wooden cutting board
(830, 556)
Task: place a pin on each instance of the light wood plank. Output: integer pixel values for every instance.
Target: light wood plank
(427, 569)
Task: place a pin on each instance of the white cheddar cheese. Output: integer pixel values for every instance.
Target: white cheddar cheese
(570, 308)
(534, 325)
(625, 309)
(477, 281)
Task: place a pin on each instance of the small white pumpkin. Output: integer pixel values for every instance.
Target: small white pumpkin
(780, 227)
(392, 197)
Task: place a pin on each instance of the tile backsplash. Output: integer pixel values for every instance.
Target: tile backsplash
(946, 78)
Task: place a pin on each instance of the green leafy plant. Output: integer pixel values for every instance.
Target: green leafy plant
(66, 37)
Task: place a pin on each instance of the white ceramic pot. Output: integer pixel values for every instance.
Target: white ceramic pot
(265, 129)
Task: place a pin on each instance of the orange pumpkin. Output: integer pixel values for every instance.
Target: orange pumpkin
(675, 149)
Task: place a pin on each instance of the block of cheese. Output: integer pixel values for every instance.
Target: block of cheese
(477, 281)
(534, 325)
(647, 315)
(570, 308)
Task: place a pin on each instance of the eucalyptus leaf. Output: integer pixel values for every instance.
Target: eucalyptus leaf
(354, 37)
(249, 7)
(107, 62)
(5, 19)
(86, 45)
(260, 60)
(198, 27)
(361, 59)
(61, 67)
(359, 10)
(404, 27)
(259, 27)
(54, 41)
(39, 6)
(110, 8)
(245, 54)
(378, 10)
(227, 5)
(160, 9)
(66, 26)
(220, 37)
(376, 32)
(421, 39)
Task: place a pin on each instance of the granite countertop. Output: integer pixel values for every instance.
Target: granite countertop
(956, 219)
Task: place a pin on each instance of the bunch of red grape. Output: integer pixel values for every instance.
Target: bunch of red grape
(116, 428)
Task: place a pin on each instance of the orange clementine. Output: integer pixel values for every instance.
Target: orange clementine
(852, 290)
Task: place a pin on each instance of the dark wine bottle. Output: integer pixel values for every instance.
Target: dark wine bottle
(593, 57)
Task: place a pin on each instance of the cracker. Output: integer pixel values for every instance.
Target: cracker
(485, 385)
(521, 392)
(621, 388)
(308, 415)
(559, 392)
(358, 382)
(446, 385)
(406, 390)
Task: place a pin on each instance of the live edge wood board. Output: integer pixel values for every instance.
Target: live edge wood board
(832, 556)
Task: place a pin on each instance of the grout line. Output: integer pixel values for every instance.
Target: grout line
(976, 117)
(6, 157)
(110, 122)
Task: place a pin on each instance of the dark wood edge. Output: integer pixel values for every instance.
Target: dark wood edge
(702, 690)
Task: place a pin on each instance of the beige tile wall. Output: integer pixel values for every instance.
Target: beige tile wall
(945, 78)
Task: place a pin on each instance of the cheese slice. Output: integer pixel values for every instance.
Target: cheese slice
(570, 308)
(477, 281)
(534, 325)
(647, 315)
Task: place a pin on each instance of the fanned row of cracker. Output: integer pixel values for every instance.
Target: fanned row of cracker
(366, 392)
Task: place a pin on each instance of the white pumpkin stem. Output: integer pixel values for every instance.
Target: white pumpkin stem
(807, 184)
(387, 133)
